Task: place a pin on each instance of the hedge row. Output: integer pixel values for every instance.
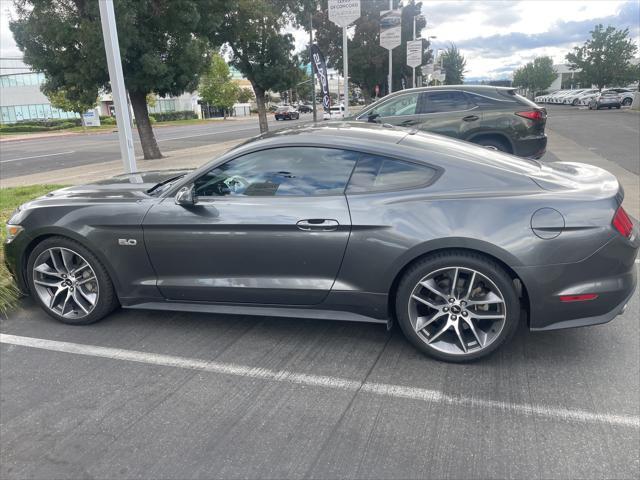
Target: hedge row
(22, 127)
(168, 116)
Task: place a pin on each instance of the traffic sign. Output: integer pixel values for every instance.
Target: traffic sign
(414, 53)
(344, 12)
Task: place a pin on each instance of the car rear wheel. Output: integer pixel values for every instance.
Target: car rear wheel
(457, 306)
(69, 282)
(493, 144)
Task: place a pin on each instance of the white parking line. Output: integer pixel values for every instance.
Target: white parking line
(285, 376)
(37, 156)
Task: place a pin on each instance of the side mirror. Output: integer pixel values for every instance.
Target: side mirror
(185, 196)
(373, 118)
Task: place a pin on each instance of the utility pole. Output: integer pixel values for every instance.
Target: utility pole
(345, 68)
(390, 58)
(413, 81)
(116, 78)
(313, 74)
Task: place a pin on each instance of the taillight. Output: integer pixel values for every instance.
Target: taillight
(536, 115)
(622, 223)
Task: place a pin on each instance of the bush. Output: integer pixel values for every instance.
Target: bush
(107, 121)
(40, 125)
(51, 122)
(170, 116)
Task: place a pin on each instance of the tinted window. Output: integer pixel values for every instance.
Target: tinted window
(379, 173)
(434, 102)
(280, 171)
(401, 105)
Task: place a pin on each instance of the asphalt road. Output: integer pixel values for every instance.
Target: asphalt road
(24, 157)
(612, 134)
(165, 395)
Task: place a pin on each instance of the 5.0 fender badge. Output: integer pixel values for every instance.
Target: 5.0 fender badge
(127, 242)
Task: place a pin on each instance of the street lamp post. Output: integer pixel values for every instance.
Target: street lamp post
(114, 64)
(313, 74)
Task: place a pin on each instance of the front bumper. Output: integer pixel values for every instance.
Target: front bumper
(610, 273)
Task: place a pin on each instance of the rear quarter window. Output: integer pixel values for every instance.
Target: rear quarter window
(376, 173)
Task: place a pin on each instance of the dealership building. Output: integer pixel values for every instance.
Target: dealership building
(22, 100)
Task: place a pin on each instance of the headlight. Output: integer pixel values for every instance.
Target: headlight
(12, 232)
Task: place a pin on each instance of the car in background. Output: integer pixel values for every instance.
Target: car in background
(626, 95)
(305, 108)
(606, 99)
(336, 112)
(559, 98)
(494, 117)
(574, 98)
(287, 113)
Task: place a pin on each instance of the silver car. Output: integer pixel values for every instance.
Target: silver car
(344, 221)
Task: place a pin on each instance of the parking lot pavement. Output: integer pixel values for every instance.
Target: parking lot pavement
(165, 395)
(612, 134)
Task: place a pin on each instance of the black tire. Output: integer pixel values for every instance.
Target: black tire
(471, 260)
(627, 101)
(107, 299)
(494, 143)
(618, 107)
(575, 102)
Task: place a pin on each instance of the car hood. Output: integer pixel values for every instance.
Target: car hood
(123, 187)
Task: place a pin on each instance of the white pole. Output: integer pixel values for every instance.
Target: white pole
(119, 93)
(390, 57)
(345, 68)
(413, 84)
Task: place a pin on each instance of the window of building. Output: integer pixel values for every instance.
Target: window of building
(303, 171)
(375, 173)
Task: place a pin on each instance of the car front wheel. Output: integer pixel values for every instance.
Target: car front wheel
(69, 282)
(627, 101)
(457, 306)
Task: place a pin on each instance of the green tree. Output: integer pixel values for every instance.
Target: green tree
(261, 51)
(536, 76)
(71, 103)
(368, 61)
(605, 59)
(453, 64)
(163, 44)
(216, 86)
(245, 95)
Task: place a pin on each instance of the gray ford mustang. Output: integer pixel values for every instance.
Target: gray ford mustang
(343, 221)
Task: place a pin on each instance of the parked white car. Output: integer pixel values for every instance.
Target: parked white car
(574, 98)
(626, 95)
(335, 113)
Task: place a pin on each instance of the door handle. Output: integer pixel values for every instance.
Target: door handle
(470, 118)
(318, 225)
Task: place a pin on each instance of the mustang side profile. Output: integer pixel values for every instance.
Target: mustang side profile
(345, 221)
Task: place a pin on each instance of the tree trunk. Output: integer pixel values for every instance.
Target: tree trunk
(262, 109)
(147, 138)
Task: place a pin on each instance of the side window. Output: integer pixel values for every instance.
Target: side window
(436, 102)
(374, 173)
(280, 171)
(485, 101)
(401, 105)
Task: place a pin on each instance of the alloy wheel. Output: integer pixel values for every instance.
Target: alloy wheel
(457, 310)
(65, 283)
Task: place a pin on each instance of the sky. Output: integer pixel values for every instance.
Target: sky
(495, 36)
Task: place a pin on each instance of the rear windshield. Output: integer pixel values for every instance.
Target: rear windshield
(511, 93)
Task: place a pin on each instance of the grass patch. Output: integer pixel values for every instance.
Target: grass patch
(10, 199)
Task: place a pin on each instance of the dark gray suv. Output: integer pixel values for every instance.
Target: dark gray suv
(495, 117)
